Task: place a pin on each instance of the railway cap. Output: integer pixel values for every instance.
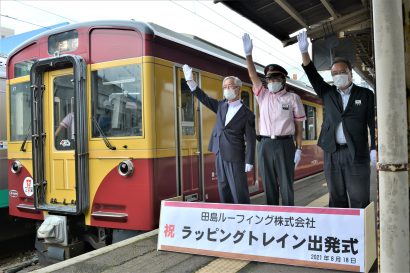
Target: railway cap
(274, 70)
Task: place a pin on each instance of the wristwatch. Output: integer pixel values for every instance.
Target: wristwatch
(299, 147)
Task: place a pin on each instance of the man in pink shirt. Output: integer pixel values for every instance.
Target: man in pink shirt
(280, 124)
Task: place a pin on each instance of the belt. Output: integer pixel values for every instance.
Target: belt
(277, 137)
(341, 146)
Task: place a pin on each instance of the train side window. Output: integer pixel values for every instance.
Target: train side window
(20, 111)
(309, 125)
(245, 98)
(187, 110)
(117, 101)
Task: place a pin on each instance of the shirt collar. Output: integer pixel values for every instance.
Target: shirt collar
(279, 93)
(346, 92)
(234, 103)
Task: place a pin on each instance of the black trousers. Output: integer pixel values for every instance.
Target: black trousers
(232, 181)
(277, 169)
(347, 180)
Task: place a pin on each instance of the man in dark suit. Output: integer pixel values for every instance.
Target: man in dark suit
(235, 124)
(349, 113)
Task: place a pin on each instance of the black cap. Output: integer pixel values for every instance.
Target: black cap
(275, 68)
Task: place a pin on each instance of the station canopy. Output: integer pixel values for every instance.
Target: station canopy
(336, 28)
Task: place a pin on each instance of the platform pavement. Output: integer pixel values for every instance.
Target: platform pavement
(139, 254)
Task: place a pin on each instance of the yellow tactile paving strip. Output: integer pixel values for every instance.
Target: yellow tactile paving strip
(223, 265)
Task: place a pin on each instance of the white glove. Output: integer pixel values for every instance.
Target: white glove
(187, 72)
(298, 156)
(248, 167)
(247, 44)
(303, 42)
(189, 77)
(373, 157)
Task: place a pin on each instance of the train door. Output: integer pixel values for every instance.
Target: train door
(59, 117)
(59, 135)
(189, 153)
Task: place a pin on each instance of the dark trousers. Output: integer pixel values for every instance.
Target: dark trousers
(347, 180)
(232, 181)
(276, 166)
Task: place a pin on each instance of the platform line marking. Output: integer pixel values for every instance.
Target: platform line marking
(223, 265)
(322, 201)
(308, 177)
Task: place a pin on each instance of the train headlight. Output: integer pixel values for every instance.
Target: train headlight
(126, 168)
(16, 167)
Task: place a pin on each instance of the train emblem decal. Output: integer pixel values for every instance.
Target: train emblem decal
(28, 186)
(65, 143)
(13, 194)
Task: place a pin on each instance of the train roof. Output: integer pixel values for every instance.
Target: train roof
(187, 40)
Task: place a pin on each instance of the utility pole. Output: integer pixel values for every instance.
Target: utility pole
(392, 136)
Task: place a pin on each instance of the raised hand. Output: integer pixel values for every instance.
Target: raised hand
(303, 42)
(187, 72)
(247, 44)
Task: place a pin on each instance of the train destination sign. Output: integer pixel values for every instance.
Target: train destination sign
(333, 238)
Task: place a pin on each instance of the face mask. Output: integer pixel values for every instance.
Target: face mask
(341, 80)
(229, 94)
(274, 86)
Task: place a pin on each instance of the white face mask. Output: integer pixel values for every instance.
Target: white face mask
(341, 80)
(229, 94)
(275, 86)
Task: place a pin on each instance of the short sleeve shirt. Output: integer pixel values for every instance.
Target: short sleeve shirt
(68, 122)
(278, 112)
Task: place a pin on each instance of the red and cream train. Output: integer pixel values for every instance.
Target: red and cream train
(135, 135)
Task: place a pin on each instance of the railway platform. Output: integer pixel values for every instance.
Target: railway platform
(139, 254)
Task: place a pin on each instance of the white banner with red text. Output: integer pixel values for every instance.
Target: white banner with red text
(333, 238)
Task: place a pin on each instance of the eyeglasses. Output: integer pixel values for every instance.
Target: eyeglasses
(229, 86)
(343, 72)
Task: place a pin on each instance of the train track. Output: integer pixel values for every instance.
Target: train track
(17, 254)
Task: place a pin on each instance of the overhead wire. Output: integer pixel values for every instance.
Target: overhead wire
(187, 9)
(254, 36)
(234, 34)
(34, 7)
(14, 18)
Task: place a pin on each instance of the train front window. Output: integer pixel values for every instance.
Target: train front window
(63, 42)
(23, 68)
(64, 112)
(117, 101)
(20, 111)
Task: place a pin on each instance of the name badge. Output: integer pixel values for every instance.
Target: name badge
(358, 102)
(285, 106)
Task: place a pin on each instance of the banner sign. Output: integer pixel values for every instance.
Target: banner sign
(315, 237)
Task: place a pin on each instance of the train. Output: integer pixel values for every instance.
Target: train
(102, 127)
(3, 140)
